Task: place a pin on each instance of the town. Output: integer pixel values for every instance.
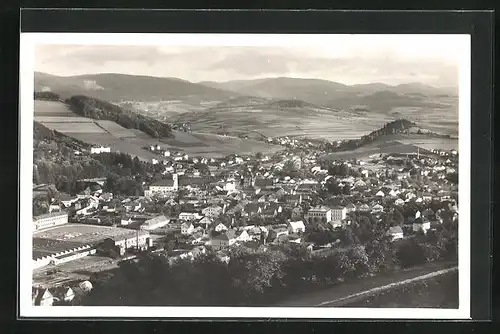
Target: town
(191, 205)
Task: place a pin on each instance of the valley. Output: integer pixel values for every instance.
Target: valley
(238, 117)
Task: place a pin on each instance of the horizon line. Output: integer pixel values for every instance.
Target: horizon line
(253, 79)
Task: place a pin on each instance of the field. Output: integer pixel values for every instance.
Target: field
(52, 109)
(294, 122)
(80, 233)
(115, 129)
(398, 144)
(437, 292)
(440, 120)
(131, 141)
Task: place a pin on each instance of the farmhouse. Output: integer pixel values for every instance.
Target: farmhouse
(50, 220)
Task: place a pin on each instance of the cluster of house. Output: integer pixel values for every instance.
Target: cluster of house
(275, 208)
(60, 295)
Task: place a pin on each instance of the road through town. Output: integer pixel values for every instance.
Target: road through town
(342, 294)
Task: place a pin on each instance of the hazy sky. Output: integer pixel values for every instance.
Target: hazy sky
(350, 59)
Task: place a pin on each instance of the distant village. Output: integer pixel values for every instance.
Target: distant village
(257, 202)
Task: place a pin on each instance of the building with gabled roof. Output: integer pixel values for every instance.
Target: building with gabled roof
(155, 223)
(296, 226)
(224, 239)
(50, 220)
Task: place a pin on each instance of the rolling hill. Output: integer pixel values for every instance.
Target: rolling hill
(282, 87)
(275, 118)
(114, 87)
(377, 96)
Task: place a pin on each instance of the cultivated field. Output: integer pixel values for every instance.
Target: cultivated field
(52, 108)
(299, 122)
(80, 233)
(115, 129)
(77, 127)
(131, 141)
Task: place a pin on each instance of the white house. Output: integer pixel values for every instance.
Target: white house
(399, 201)
(364, 208)
(296, 226)
(339, 213)
(189, 216)
(396, 232)
(99, 150)
(187, 228)
(220, 227)
(244, 236)
(377, 208)
(380, 193)
(125, 221)
(154, 223)
(212, 211)
(393, 193)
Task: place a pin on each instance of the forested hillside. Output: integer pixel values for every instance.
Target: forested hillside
(62, 161)
(97, 109)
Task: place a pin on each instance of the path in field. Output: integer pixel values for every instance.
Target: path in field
(341, 294)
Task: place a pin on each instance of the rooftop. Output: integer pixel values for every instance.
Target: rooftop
(49, 215)
(155, 220)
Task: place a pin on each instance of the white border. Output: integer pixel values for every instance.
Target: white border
(27, 54)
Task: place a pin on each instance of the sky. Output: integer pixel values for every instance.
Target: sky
(349, 59)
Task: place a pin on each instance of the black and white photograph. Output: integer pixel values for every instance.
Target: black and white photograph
(248, 175)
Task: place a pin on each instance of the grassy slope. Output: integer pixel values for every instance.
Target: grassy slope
(436, 292)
